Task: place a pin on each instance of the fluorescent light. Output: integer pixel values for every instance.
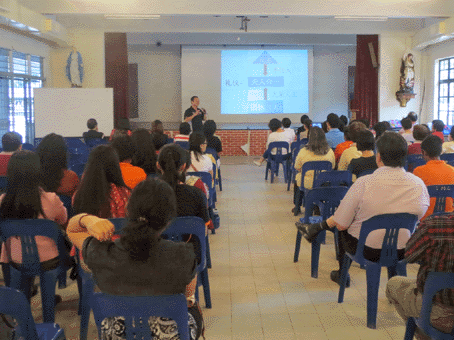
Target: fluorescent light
(358, 18)
(132, 16)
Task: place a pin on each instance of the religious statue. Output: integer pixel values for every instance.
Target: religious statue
(75, 68)
(407, 80)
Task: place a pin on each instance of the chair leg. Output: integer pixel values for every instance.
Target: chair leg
(273, 169)
(373, 282)
(206, 287)
(315, 256)
(87, 289)
(346, 263)
(48, 282)
(267, 168)
(297, 247)
(410, 330)
(208, 252)
(297, 208)
(220, 179)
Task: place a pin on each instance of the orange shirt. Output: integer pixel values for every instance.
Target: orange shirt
(340, 148)
(436, 173)
(68, 183)
(132, 175)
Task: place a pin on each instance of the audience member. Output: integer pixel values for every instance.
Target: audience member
(92, 132)
(325, 127)
(388, 125)
(301, 131)
(197, 148)
(307, 126)
(366, 122)
(209, 128)
(430, 246)
(102, 191)
(317, 149)
(437, 128)
(11, 142)
(157, 134)
(435, 171)
(53, 154)
(277, 135)
(408, 130)
(184, 132)
(25, 199)
(145, 153)
(420, 132)
(291, 136)
(140, 262)
(334, 136)
(399, 192)
(352, 152)
(344, 120)
(413, 118)
(132, 175)
(379, 129)
(340, 148)
(366, 144)
(448, 147)
(123, 127)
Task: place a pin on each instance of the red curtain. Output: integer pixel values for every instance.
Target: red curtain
(116, 60)
(365, 100)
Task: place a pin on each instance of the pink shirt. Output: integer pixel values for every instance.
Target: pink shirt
(55, 211)
(387, 191)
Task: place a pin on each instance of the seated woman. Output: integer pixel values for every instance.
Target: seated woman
(277, 135)
(123, 127)
(145, 153)
(158, 135)
(420, 132)
(317, 149)
(26, 199)
(197, 148)
(209, 128)
(140, 262)
(365, 143)
(56, 177)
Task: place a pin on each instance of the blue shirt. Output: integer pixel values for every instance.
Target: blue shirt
(334, 137)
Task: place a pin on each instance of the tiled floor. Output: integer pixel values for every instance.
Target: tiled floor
(257, 291)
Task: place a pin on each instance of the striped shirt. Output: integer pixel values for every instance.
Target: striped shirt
(432, 246)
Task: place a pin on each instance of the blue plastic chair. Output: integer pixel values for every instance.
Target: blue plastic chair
(169, 140)
(215, 155)
(191, 225)
(78, 168)
(119, 223)
(21, 275)
(333, 178)
(183, 144)
(435, 282)
(317, 167)
(448, 158)
(388, 257)
(74, 143)
(413, 161)
(365, 173)
(331, 197)
(138, 309)
(14, 303)
(67, 202)
(208, 180)
(273, 161)
(3, 183)
(295, 148)
(440, 192)
(94, 142)
(28, 146)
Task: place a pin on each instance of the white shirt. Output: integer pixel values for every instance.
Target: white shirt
(408, 137)
(290, 133)
(387, 191)
(277, 137)
(203, 164)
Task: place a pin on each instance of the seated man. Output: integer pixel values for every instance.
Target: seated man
(286, 123)
(431, 247)
(408, 133)
(132, 175)
(334, 136)
(420, 132)
(389, 190)
(11, 142)
(365, 143)
(435, 171)
(184, 132)
(92, 132)
(277, 135)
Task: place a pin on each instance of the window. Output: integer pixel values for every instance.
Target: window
(20, 73)
(444, 107)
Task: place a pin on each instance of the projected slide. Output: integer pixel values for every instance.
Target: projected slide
(264, 81)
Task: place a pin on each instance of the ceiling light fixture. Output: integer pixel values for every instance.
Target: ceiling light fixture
(244, 21)
(132, 16)
(359, 18)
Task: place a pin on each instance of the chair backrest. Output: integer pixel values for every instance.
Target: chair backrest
(414, 161)
(119, 224)
(14, 303)
(365, 172)
(183, 144)
(28, 146)
(295, 147)
(448, 158)
(278, 146)
(391, 223)
(208, 180)
(78, 168)
(330, 196)
(317, 167)
(333, 178)
(27, 229)
(169, 140)
(137, 311)
(181, 227)
(3, 183)
(440, 192)
(212, 152)
(93, 142)
(435, 282)
(67, 202)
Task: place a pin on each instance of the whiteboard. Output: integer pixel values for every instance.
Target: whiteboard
(66, 111)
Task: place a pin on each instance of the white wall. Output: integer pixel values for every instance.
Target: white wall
(392, 48)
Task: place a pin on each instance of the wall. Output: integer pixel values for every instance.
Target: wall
(391, 50)
(90, 43)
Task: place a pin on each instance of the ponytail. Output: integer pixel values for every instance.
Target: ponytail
(171, 158)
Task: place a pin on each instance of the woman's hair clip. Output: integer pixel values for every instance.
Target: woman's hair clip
(142, 219)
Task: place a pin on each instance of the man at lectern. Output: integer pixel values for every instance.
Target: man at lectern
(195, 115)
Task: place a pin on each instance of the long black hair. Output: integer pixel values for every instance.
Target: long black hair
(102, 169)
(53, 153)
(196, 139)
(151, 207)
(171, 158)
(23, 191)
(145, 154)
